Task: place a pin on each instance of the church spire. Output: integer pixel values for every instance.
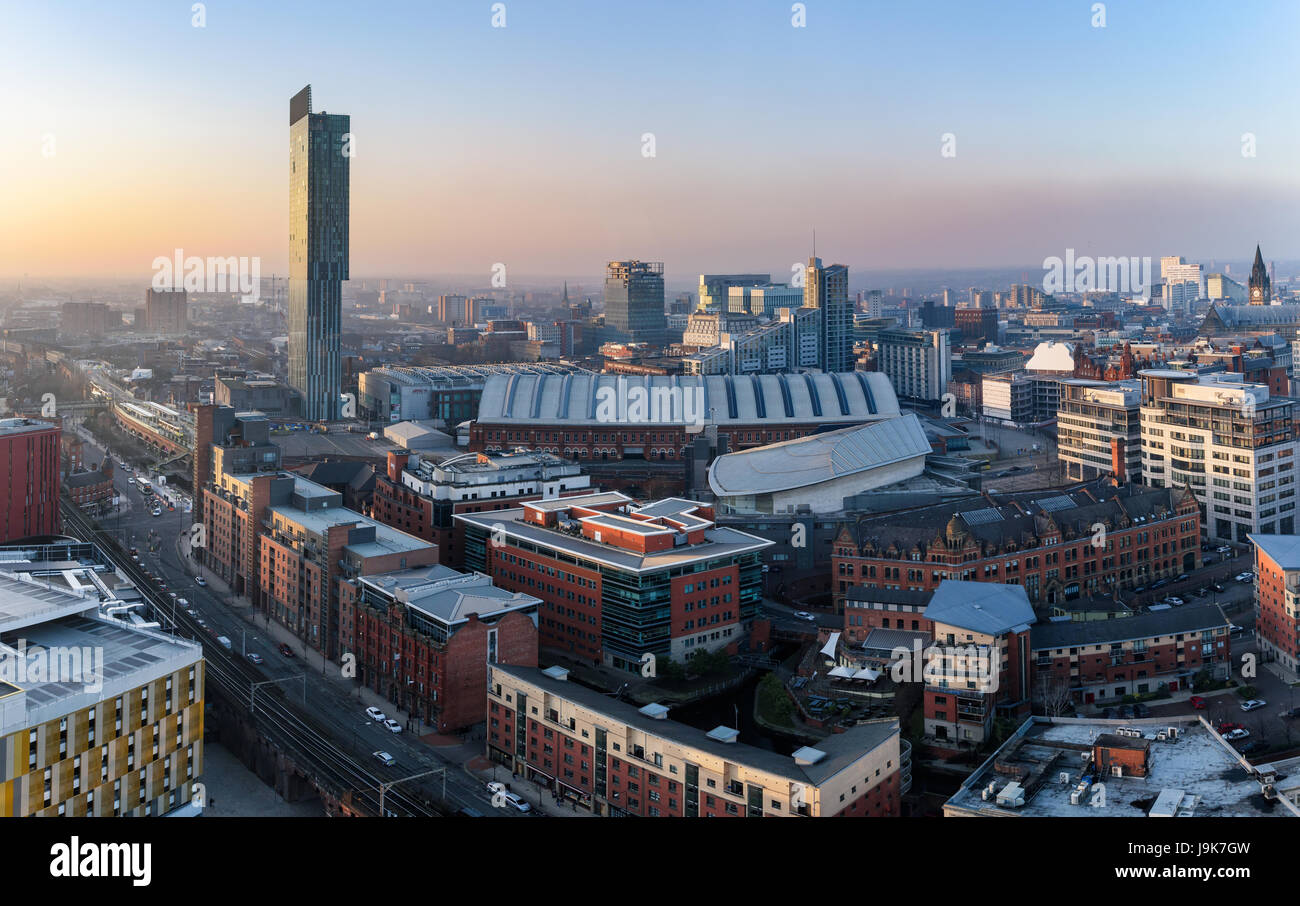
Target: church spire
(1261, 287)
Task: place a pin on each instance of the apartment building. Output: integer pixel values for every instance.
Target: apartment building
(1098, 429)
(1277, 598)
(422, 637)
(420, 496)
(620, 581)
(617, 759)
(29, 468)
(1086, 661)
(917, 363)
(1230, 442)
(97, 717)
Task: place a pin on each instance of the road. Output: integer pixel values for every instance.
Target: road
(333, 725)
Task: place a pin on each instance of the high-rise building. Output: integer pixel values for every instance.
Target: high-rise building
(827, 288)
(318, 253)
(715, 288)
(165, 311)
(87, 319)
(1261, 286)
(917, 363)
(1098, 430)
(29, 464)
(451, 310)
(1227, 440)
(634, 301)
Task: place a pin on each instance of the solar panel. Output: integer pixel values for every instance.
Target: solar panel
(981, 517)
(1053, 504)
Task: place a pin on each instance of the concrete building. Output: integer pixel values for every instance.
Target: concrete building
(634, 302)
(1098, 430)
(97, 718)
(616, 759)
(166, 312)
(423, 636)
(87, 319)
(787, 344)
(827, 288)
(763, 300)
(618, 581)
(715, 289)
(261, 393)
(917, 363)
(1230, 442)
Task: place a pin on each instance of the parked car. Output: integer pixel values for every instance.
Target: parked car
(1250, 746)
(1125, 711)
(393, 726)
(1159, 583)
(376, 715)
(1198, 703)
(1141, 710)
(200, 582)
(191, 611)
(1227, 726)
(385, 758)
(1239, 733)
(285, 650)
(182, 602)
(501, 796)
(1244, 577)
(255, 658)
(805, 615)
(1174, 600)
(1253, 704)
(1139, 589)
(1107, 713)
(1182, 577)
(1223, 549)
(1290, 715)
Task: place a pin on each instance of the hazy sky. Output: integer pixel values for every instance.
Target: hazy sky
(523, 145)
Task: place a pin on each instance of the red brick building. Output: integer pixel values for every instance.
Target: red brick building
(616, 759)
(29, 469)
(91, 489)
(1277, 588)
(1045, 540)
(1087, 661)
(422, 638)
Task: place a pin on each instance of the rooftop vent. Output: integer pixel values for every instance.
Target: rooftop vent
(557, 673)
(723, 734)
(655, 711)
(806, 755)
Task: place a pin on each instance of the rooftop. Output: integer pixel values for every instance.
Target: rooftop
(1284, 550)
(1176, 620)
(11, 426)
(840, 750)
(819, 457)
(447, 595)
(989, 608)
(1202, 774)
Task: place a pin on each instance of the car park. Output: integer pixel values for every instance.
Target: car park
(393, 726)
(1253, 704)
(385, 758)
(376, 715)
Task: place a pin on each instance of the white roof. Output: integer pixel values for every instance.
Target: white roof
(829, 648)
(845, 672)
(820, 457)
(1051, 357)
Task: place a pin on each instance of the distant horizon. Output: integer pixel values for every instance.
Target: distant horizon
(700, 135)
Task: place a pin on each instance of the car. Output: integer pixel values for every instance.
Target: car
(192, 612)
(1182, 577)
(1233, 627)
(385, 758)
(182, 602)
(376, 715)
(1253, 704)
(1207, 561)
(1201, 592)
(1107, 713)
(1198, 703)
(496, 786)
(1239, 733)
(1243, 577)
(1217, 586)
(172, 595)
(285, 650)
(1159, 583)
(502, 796)
(516, 803)
(1174, 600)
(200, 582)
(804, 615)
(1290, 715)
(393, 726)
(1227, 726)
(1139, 589)
(1125, 711)
(1141, 710)
(1223, 549)
(255, 658)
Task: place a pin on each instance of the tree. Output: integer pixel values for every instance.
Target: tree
(1054, 696)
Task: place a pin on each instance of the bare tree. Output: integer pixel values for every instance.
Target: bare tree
(1054, 695)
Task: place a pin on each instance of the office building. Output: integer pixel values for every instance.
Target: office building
(763, 300)
(617, 759)
(1098, 429)
(715, 289)
(319, 217)
(620, 581)
(1230, 442)
(634, 301)
(827, 288)
(977, 325)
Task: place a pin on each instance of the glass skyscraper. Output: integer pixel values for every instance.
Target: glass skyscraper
(318, 254)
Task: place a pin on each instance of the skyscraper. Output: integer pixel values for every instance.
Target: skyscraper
(827, 288)
(1261, 287)
(318, 253)
(634, 301)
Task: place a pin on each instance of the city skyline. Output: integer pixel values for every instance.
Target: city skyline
(500, 161)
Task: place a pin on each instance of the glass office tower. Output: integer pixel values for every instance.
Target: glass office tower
(634, 301)
(318, 254)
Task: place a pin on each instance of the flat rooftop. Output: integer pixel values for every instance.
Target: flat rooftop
(1211, 777)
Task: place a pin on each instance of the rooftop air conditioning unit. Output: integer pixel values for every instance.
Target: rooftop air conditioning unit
(1075, 796)
(1064, 778)
(1172, 733)
(1117, 770)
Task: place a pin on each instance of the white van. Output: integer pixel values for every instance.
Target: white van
(224, 642)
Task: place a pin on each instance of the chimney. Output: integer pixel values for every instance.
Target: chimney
(396, 463)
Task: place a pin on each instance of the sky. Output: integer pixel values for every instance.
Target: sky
(128, 132)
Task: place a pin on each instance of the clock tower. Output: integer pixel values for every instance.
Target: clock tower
(1261, 288)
